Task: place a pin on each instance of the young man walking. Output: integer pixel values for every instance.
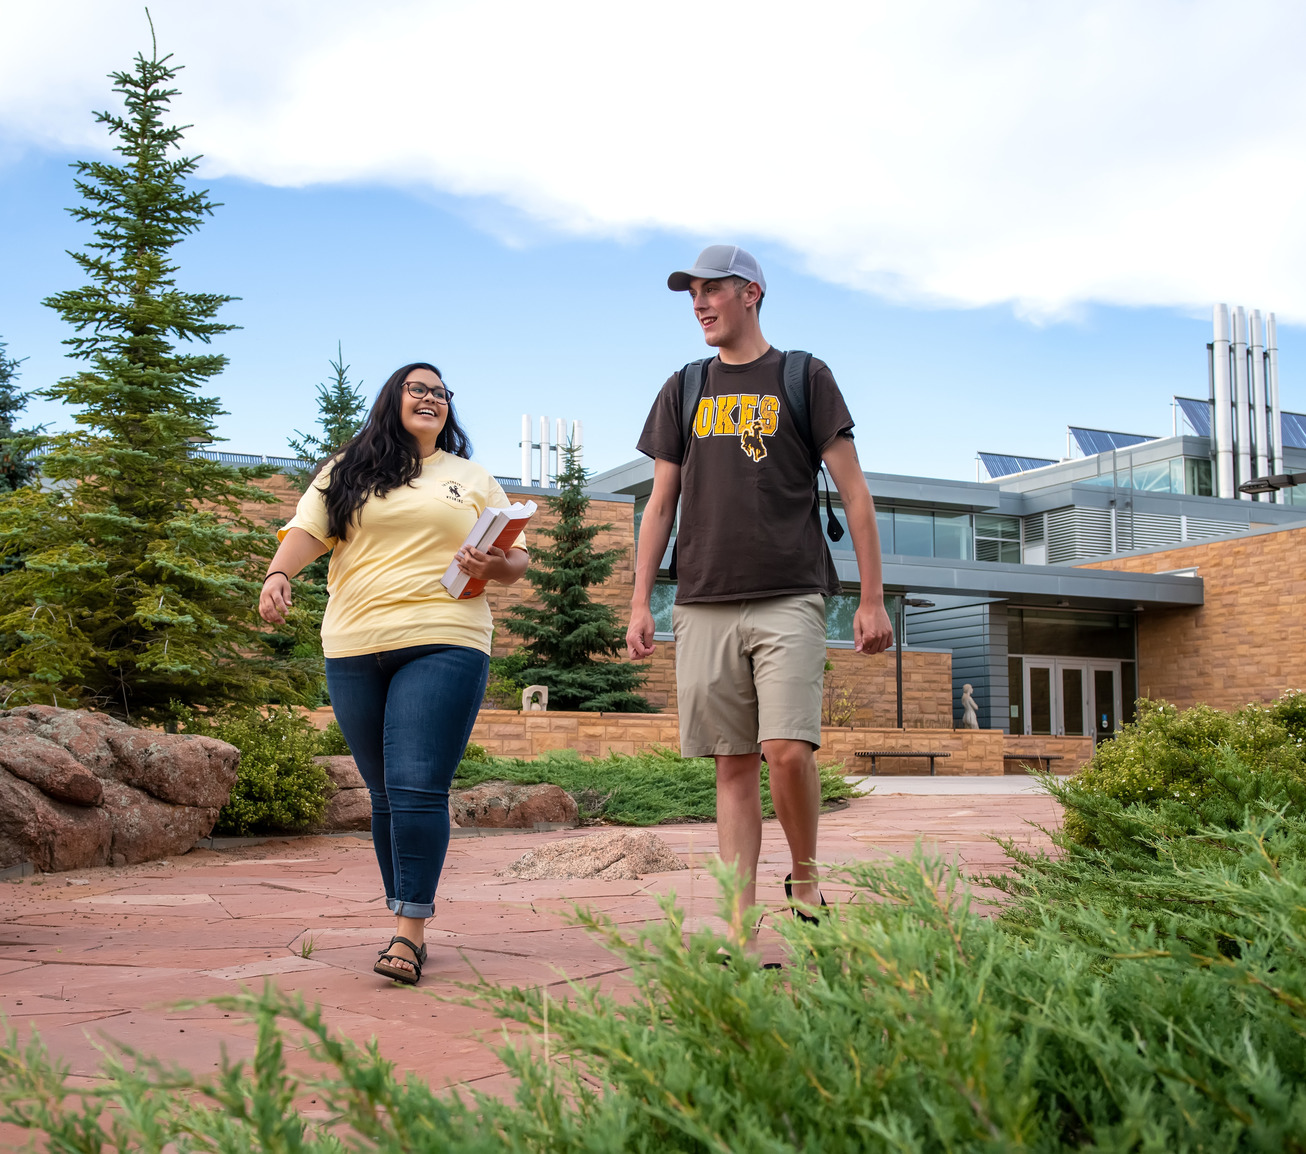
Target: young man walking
(751, 564)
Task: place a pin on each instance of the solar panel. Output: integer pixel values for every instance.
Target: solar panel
(1094, 441)
(1197, 414)
(1005, 464)
(1294, 430)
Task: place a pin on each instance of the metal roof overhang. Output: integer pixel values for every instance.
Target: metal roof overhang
(1050, 585)
(1035, 584)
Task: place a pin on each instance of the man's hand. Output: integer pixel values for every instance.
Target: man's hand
(639, 635)
(872, 630)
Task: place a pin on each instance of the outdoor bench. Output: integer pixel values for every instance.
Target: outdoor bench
(1035, 758)
(873, 754)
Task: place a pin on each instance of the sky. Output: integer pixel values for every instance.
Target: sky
(992, 219)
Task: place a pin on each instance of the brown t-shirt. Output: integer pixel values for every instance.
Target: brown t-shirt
(750, 522)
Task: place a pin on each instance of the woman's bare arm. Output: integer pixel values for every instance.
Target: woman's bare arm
(297, 549)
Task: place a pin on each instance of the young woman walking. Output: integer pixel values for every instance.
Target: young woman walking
(406, 663)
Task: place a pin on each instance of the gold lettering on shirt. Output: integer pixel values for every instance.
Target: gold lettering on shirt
(725, 426)
(703, 418)
(769, 411)
(747, 409)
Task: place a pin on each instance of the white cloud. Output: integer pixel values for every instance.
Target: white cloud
(958, 152)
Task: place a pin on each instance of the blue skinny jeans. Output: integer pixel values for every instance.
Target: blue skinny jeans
(407, 715)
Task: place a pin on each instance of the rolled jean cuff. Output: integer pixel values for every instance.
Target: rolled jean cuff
(411, 909)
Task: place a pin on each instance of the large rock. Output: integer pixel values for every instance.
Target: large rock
(342, 771)
(505, 805)
(349, 809)
(619, 855)
(80, 789)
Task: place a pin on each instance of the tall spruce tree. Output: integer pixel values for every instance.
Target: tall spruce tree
(568, 630)
(142, 562)
(16, 469)
(341, 407)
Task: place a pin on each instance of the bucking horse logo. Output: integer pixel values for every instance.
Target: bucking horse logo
(750, 439)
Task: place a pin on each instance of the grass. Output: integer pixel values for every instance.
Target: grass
(653, 787)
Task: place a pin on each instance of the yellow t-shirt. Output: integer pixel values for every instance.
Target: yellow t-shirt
(384, 577)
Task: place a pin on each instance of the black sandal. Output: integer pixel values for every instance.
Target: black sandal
(810, 919)
(407, 977)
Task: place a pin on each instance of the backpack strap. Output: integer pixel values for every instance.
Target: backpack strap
(797, 366)
(693, 378)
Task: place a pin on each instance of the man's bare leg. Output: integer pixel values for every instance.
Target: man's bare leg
(739, 818)
(796, 795)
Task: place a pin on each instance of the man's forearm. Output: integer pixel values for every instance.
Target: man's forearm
(654, 533)
(865, 532)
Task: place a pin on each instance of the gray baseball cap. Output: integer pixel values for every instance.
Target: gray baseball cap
(717, 261)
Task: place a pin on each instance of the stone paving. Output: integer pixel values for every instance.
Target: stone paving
(106, 955)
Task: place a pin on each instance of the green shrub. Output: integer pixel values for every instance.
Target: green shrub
(505, 683)
(654, 786)
(279, 788)
(475, 752)
(1171, 759)
(905, 1021)
(331, 741)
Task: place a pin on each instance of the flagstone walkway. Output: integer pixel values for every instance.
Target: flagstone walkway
(105, 955)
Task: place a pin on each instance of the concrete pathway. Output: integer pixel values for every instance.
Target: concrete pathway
(104, 955)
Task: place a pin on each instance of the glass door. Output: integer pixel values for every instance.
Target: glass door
(1106, 699)
(1071, 697)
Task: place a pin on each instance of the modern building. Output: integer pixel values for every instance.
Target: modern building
(1049, 646)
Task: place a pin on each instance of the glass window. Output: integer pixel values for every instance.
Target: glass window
(884, 522)
(913, 534)
(1054, 632)
(1128, 691)
(1016, 694)
(660, 601)
(1153, 477)
(839, 611)
(641, 503)
(1197, 477)
(952, 535)
(994, 525)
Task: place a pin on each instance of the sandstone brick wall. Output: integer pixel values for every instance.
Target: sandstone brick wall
(508, 733)
(1075, 752)
(1247, 642)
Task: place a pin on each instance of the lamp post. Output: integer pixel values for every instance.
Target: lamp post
(1270, 484)
(900, 628)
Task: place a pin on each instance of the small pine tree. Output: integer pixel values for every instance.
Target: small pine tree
(142, 569)
(15, 469)
(341, 407)
(568, 630)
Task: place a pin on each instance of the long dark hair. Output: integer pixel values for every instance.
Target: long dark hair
(383, 455)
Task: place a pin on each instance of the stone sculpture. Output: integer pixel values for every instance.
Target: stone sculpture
(535, 698)
(969, 711)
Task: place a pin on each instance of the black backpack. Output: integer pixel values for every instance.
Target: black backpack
(797, 365)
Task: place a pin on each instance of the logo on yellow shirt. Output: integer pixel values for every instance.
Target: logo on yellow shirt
(748, 416)
(453, 490)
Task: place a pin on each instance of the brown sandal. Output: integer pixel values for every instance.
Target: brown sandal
(385, 967)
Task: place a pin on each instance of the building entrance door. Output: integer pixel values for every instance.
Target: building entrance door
(1071, 697)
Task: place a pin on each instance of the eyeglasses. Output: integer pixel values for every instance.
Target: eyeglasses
(438, 393)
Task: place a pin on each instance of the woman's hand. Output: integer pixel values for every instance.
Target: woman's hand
(492, 565)
(487, 566)
(275, 600)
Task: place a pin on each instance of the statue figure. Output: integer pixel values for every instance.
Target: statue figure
(969, 711)
(535, 698)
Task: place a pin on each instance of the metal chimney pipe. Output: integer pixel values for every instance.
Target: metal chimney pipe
(1260, 421)
(1242, 410)
(544, 452)
(525, 448)
(1276, 414)
(578, 440)
(1222, 409)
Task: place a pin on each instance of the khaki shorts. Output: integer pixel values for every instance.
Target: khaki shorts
(749, 672)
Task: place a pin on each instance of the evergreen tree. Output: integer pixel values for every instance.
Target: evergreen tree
(15, 469)
(142, 569)
(568, 630)
(341, 407)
